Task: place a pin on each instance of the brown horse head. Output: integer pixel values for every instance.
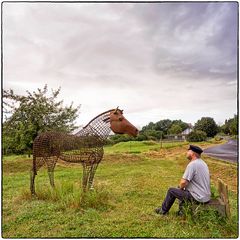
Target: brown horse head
(119, 124)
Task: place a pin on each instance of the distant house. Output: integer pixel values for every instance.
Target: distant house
(187, 131)
(182, 135)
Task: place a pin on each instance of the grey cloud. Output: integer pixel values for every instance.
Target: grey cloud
(143, 56)
(192, 38)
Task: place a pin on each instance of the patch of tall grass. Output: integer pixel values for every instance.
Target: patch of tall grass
(211, 221)
(69, 195)
(208, 220)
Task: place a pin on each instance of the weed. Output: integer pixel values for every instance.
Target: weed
(69, 195)
(214, 192)
(97, 199)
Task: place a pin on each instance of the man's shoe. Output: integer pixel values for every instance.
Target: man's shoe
(160, 211)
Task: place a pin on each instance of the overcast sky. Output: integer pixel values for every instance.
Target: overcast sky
(154, 60)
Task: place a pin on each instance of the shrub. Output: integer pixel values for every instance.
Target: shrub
(141, 137)
(152, 138)
(218, 138)
(196, 136)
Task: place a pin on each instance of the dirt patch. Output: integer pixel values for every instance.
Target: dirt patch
(15, 166)
(223, 170)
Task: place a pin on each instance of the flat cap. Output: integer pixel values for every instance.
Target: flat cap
(195, 149)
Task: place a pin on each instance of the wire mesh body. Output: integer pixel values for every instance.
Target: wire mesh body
(85, 147)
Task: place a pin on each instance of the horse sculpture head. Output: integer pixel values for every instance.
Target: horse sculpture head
(119, 124)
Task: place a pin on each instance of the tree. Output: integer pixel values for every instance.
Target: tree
(175, 129)
(182, 124)
(231, 126)
(27, 116)
(163, 125)
(150, 126)
(234, 126)
(207, 125)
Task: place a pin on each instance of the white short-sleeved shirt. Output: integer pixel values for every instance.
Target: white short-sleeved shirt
(197, 174)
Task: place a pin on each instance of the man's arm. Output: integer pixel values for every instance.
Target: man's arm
(183, 183)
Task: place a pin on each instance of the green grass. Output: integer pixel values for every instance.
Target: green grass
(140, 147)
(128, 187)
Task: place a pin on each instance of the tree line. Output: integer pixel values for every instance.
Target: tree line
(204, 128)
(27, 116)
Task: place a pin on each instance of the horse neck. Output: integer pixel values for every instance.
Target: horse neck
(97, 127)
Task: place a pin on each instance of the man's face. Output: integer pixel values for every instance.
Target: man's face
(189, 154)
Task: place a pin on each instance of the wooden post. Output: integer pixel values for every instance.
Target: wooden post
(223, 194)
(221, 204)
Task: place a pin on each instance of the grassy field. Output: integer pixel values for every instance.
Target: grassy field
(130, 182)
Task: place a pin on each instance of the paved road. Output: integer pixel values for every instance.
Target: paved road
(227, 151)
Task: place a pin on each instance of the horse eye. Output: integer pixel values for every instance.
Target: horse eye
(115, 113)
(120, 119)
(106, 119)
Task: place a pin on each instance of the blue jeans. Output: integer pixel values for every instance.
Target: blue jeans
(182, 195)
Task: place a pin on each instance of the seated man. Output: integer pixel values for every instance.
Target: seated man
(194, 185)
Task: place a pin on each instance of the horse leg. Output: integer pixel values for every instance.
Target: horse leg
(51, 178)
(92, 174)
(37, 163)
(51, 163)
(85, 179)
(32, 182)
(96, 158)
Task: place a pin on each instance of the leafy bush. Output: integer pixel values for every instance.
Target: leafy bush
(196, 136)
(120, 138)
(141, 137)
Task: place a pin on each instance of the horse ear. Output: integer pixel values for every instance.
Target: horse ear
(116, 110)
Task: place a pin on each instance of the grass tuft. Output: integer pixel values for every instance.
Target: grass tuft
(69, 195)
(98, 199)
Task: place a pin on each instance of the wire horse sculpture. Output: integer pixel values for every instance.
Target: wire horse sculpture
(85, 147)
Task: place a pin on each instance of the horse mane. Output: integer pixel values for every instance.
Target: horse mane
(96, 126)
(99, 115)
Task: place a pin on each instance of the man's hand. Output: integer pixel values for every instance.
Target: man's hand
(183, 183)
